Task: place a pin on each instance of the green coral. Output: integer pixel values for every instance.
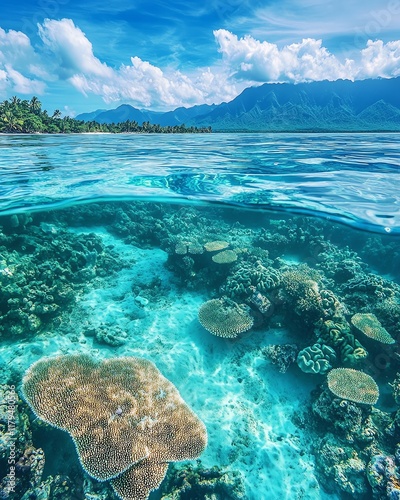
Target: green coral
(336, 334)
(317, 358)
(354, 385)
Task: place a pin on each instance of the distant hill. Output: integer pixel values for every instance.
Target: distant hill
(87, 117)
(332, 106)
(341, 105)
(127, 112)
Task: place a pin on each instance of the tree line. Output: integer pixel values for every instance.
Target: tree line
(26, 116)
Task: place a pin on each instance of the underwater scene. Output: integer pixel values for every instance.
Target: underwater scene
(212, 317)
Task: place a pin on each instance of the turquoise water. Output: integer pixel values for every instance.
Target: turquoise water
(253, 270)
(349, 177)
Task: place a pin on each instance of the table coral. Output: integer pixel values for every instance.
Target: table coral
(370, 326)
(126, 420)
(354, 385)
(225, 318)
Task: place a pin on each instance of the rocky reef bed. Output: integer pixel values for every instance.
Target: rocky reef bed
(334, 290)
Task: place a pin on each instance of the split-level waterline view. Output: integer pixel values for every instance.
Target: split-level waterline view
(200, 250)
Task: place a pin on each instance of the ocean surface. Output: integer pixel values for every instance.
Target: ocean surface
(259, 273)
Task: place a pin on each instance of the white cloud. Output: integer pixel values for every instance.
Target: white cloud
(19, 64)
(72, 51)
(139, 82)
(380, 59)
(23, 85)
(253, 60)
(68, 55)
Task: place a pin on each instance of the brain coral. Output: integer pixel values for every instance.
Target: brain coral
(225, 318)
(337, 334)
(127, 421)
(371, 327)
(317, 358)
(353, 385)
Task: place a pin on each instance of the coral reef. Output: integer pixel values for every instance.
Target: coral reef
(127, 421)
(225, 318)
(362, 292)
(281, 355)
(301, 293)
(383, 474)
(111, 335)
(41, 273)
(396, 388)
(198, 482)
(347, 437)
(370, 326)
(304, 274)
(250, 277)
(21, 463)
(317, 358)
(342, 467)
(336, 334)
(354, 385)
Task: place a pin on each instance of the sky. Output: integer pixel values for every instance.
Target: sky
(78, 56)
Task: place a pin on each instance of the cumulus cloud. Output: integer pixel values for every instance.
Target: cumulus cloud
(139, 82)
(67, 54)
(19, 64)
(21, 84)
(257, 61)
(380, 59)
(73, 52)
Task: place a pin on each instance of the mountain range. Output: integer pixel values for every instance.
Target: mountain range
(341, 105)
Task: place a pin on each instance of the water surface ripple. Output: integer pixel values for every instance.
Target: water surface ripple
(354, 178)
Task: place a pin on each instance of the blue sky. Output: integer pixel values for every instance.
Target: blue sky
(80, 55)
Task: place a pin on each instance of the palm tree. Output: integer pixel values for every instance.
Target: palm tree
(15, 101)
(56, 114)
(35, 105)
(10, 122)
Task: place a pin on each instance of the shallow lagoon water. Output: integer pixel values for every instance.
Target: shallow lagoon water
(104, 251)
